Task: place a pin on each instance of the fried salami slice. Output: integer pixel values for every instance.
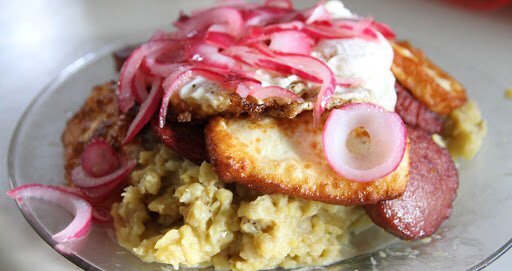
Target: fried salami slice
(414, 113)
(436, 89)
(427, 201)
(185, 138)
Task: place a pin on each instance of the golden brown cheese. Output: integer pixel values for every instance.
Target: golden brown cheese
(432, 86)
(285, 156)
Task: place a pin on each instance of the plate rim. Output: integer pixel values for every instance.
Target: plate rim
(61, 76)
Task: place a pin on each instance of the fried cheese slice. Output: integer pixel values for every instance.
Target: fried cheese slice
(285, 156)
(432, 86)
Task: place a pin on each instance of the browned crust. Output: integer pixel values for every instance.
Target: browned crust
(277, 107)
(234, 163)
(98, 117)
(417, 73)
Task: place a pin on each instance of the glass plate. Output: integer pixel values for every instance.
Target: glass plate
(478, 231)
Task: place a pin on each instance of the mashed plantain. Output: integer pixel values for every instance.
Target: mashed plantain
(178, 213)
(465, 130)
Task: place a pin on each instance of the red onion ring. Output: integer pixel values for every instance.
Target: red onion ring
(82, 180)
(139, 87)
(101, 193)
(264, 15)
(146, 111)
(209, 42)
(285, 4)
(385, 30)
(125, 91)
(342, 29)
(387, 134)
(77, 205)
(306, 67)
(182, 76)
(203, 54)
(101, 215)
(290, 41)
(171, 84)
(349, 82)
(164, 62)
(225, 16)
(219, 39)
(316, 13)
(99, 158)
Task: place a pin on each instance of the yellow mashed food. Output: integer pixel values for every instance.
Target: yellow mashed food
(178, 213)
(508, 93)
(464, 131)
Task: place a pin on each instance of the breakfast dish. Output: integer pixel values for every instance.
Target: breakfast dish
(258, 136)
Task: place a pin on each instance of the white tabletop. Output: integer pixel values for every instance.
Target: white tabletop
(39, 38)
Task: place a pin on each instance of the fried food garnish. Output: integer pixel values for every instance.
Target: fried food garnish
(435, 88)
(285, 156)
(98, 117)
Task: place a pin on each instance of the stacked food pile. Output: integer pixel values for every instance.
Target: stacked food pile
(260, 136)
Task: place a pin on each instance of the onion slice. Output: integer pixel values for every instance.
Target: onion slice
(184, 75)
(99, 158)
(265, 15)
(82, 180)
(219, 39)
(146, 111)
(342, 29)
(285, 4)
(290, 41)
(227, 17)
(101, 193)
(316, 13)
(81, 209)
(206, 55)
(163, 62)
(387, 141)
(101, 215)
(385, 30)
(306, 67)
(126, 91)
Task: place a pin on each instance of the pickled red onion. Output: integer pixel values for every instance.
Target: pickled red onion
(146, 111)
(316, 13)
(286, 4)
(384, 29)
(82, 180)
(139, 85)
(81, 209)
(219, 39)
(387, 135)
(99, 158)
(164, 62)
(228, 17)
(232, 38)
(125, 90)
(203, 54)
(290, 41)
(183, 75)
(101, 215)
(265, 15)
